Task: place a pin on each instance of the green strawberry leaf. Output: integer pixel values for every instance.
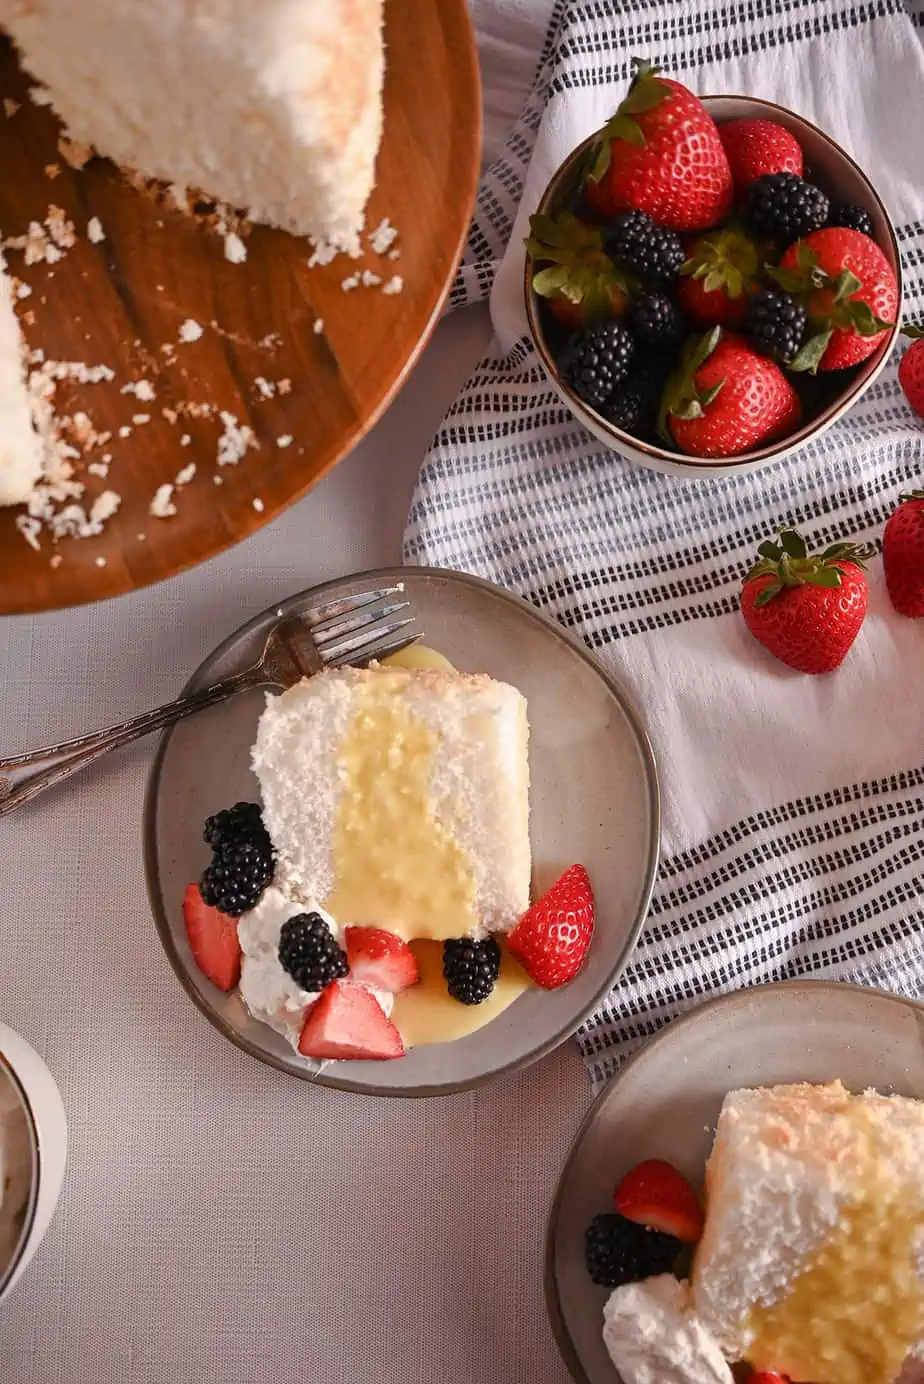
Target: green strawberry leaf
(770, 550)
(734, 282)
(864, 320)
(646, 93)
(706, 396)
(550, 230)
(806, 258)
(807, 358)
(792, 543)
(714, 279)
(828, 577)
(689, 408)
(548, 281)
(768, 593)
(703, 349)
(846, 285)
(909, 329)
(789, 279)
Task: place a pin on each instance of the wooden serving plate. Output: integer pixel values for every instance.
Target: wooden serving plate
(119, 301)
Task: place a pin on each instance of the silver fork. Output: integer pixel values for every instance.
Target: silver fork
(353, 630)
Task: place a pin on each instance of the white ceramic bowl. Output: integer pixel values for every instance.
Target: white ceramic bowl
(845, 181)
(46, 1135)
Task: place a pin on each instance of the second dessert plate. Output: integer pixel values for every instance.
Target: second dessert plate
(593, 799)
(666, 1100)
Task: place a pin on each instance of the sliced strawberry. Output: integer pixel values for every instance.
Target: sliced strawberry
(348, 1022)
(380, 959)
(552, 937)
(655, 1195)
(213, 939)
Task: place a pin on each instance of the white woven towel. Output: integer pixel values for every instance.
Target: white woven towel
(793, 806)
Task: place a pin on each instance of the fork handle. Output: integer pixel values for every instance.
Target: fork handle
(24, 776)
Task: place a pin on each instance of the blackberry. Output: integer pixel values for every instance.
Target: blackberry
(470, 968)
(310, 953)
(237, 823)
(775, 324)
(651, 251)
(618, 1251)
(784, 207)
(237, 876)
(656, 320)
(853, 217)
(598, 359)
(633, 405)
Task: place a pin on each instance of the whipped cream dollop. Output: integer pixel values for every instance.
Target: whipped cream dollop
(15, 1169)
(654, 1336)
(267, 989)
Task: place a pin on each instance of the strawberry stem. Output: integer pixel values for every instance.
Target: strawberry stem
(790, 564)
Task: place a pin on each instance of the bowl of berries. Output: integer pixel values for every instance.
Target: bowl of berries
(710, 283)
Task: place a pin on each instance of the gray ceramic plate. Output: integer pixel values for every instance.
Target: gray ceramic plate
(594, 798)
(666, 1100)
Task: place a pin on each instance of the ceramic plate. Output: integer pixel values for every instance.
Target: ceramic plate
(121, 301)
(594, 798)
(666, 1100)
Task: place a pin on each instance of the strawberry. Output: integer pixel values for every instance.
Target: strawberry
(655, 1195)
(725, 399)
(213, 940)
(756, 147)
(581, 283)
(380, 959)
(347, 1021)
(719, 272)
(768, 1377)
(661, 154)
(850, 291)
(806, 609)
(903, 555)
(911, 369)
(552, 937)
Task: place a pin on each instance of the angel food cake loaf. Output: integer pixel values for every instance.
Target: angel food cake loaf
(274, 108)
(811, 1262)
(379, 897)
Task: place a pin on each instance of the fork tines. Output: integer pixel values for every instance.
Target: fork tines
(357, 629)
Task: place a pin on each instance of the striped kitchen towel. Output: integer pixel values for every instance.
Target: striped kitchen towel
(793, 806)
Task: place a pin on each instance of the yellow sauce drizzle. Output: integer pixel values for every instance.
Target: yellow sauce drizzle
(853, 1314)
(428, 1014)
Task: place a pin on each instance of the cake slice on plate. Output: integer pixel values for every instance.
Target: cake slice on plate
(811, 1263)
(400, 799)
(274, 108)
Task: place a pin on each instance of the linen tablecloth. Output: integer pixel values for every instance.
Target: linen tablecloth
(793, 806)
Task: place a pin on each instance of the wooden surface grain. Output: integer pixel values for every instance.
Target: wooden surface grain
(119, 302)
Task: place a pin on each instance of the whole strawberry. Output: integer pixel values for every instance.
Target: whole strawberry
(756, 147)
(806, 609)
(581, 282)
(850, 291)
(661, 154)
(911, 369)
(716, 277)
(551, 939)
(903, 555)
(725, 399)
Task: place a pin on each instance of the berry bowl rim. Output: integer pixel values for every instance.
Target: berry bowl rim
(664, 459)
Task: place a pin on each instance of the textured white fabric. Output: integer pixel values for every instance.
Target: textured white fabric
(793, 807)
(220, 1224)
